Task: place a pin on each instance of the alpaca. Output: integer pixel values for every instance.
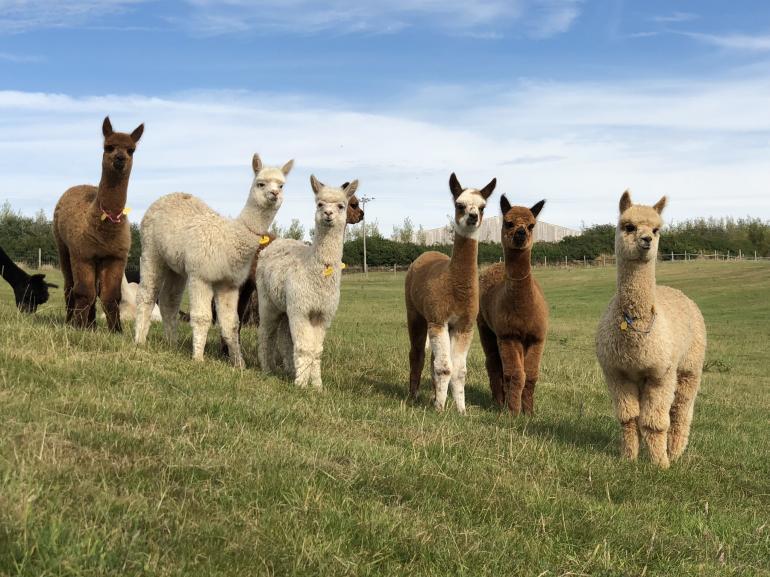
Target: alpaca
(513, 313)
(650, 343)
(299, 290)
(128, 292)
(186, 242)
(248, 301)
(442, 300)
(93, 236)
(30, 291)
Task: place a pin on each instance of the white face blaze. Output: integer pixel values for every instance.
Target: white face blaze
(469, 211)
(331, 207)
(267, 188)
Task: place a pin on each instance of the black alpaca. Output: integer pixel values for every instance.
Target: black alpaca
(30, 290)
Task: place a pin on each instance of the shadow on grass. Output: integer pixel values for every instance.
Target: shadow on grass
(584, 432)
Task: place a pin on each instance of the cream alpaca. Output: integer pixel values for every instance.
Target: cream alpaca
(650, 343)
(185, 241)
(299, 290)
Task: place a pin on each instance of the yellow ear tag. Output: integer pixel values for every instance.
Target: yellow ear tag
(126, 210)
(343, 265)
(104, 216)
(328, 271)
(623, 326)
(264, 239)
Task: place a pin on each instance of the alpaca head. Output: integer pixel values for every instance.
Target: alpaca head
(267, 188)
(33, 293)
(518, 224)
(469, 205)
(331, 203)
(119, 149)
(638, 231)
(355, 212)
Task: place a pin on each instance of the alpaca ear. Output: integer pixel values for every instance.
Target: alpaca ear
(286, 168)
(350, 188)
(487, 191)
(137, 133)
(315, 184)
(625, 202)
(107, 127)
(256, 163)
(454, 186)
(660, 205)
(535, 210)
(505, 206)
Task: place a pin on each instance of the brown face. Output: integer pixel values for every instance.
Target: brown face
(518, 224)
(119, 148)
(355, 212)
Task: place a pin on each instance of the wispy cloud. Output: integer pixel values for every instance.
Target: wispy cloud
(675, 17)
(21, 58)
(22, 16)
(740, 42)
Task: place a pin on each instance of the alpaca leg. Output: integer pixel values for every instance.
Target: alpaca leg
(512, 355)
(460, 344)
(654, 420)
(494, 363)
(66, 270)
(318, 342)
(625, 401)
(418, 330)
(303, 335)
(146, 295)
(441, 350)
(83, 292)
(227, 312)
(110, 279)
(270, 317)
(201, 294)
(284, 348)
(171, 294)
(532, 370)
(681, 413)
(245, 293)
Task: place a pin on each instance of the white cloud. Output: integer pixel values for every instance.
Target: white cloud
(740, 42)
(20, 58)
(675, 17)
(579, 145)
(18, 16)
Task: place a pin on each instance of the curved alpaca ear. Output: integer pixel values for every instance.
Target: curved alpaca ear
(487, 191)
(350, 188)
(505, 206)
(625, 201)
(256, 163)
(660, 205)
(535, 210)
(315, 184)
(107, 127)
(137, 133)
(286, 168)
(454, 186)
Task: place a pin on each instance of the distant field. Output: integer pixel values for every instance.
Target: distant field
(123, 461)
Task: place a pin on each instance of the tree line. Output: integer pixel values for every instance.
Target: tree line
(21, 237)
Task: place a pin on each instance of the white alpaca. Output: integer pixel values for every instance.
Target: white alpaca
(299, 290)
(128, 292)
(186, 242)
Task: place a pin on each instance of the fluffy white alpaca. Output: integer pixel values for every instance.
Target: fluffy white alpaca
(186, 242)
(299, 290)
(128, 292)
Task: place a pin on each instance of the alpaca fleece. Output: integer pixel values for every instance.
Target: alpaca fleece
(513, 314)
(299, 290)
(30, 291)
(650, 343)
(93, 235)
(442, 300)
(184, 241)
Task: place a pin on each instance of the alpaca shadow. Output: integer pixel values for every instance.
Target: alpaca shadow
(400, 391)
(583, 432)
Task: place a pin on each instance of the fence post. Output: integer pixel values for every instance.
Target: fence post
(740, 254)
(715, 256)
(728, 255)
(545, 258)
(39, 258)
(672, 256)
(755, 256)
(584, 261)
(604, 261)
(565, 261)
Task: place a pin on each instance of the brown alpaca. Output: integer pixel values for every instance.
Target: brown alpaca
(248, 303)
(93, 236)
(442, 300)
(513, 314)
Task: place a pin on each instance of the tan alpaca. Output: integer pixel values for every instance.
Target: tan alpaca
(442, 300)
(650, 343)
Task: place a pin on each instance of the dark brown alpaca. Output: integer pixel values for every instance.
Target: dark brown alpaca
(442, 300)
(248, 303)
(93, 236)
(513, 314)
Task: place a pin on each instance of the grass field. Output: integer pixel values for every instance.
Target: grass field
(123, 461)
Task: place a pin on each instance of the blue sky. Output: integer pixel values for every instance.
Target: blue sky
(568, 100)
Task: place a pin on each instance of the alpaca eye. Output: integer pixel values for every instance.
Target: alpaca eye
(131, 151)
(280, 186)
(109, 148)
(320, 205)
(459, 206)
(340, 206)
(508, 224)
(481, 209)
(261, 184)
(531, 226)
(655, 230)
(629, 228)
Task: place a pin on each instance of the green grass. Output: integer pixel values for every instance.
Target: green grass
(123, 461)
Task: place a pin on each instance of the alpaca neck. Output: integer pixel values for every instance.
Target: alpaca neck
(9, 271)
(112, 193)
(463, 265)
(256, 218)
(518, 269)
(327, 244)
(636, 288)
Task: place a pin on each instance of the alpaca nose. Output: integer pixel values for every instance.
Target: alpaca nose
(646, 240)
(520, 233)
(473, 218)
